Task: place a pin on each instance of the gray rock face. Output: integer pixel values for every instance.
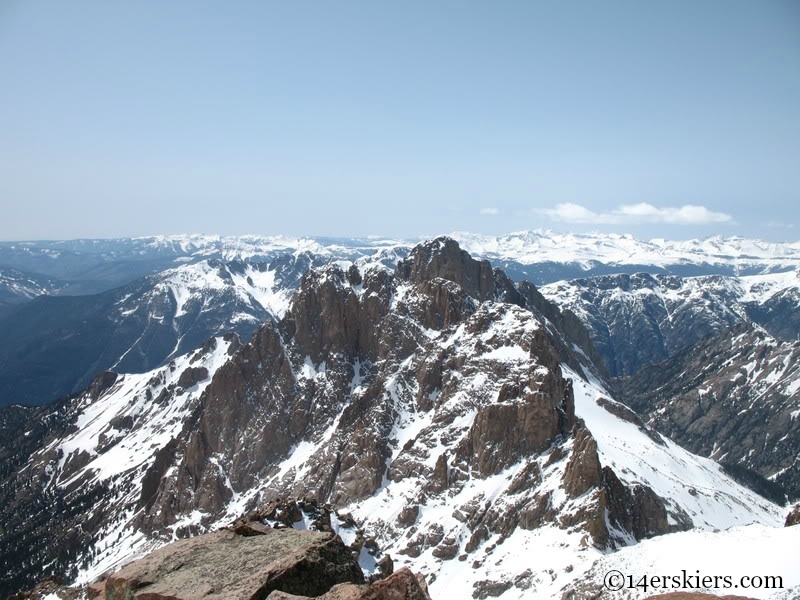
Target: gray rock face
(793, 518)
(583, 471)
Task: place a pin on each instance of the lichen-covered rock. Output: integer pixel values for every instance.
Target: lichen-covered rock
(223, 565)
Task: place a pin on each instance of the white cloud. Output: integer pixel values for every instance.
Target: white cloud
(631, 214)
(490, 211)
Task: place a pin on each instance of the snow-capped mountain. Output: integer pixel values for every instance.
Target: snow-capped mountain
(538, 256)
(546, 256)
(637, 320)
(446, 408)
(196, 286)
(54, 345)
(72, 470)
(93, 266)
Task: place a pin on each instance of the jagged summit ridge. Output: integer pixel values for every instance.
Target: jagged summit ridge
(442, 257)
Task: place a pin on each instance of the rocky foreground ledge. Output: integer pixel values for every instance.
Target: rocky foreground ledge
(252, 562)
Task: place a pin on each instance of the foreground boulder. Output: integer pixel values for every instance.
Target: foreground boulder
(224, 565)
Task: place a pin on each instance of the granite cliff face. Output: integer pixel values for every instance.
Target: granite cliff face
(455, 415)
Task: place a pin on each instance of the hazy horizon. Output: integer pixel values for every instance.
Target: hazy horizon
(408, 238)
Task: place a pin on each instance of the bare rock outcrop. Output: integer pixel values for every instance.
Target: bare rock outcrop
(224, 565)
(583, 471)
(443, 258)
(324, 315)
(793, 518)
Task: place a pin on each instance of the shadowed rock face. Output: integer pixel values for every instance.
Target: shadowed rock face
(227, 426)
(402, 585)
(325, 315)
(583, 471)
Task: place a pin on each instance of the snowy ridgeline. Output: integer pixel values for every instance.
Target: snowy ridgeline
(738, 255)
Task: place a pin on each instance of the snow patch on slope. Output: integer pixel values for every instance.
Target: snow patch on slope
(118, 435)
(753, 550)
(695, 484)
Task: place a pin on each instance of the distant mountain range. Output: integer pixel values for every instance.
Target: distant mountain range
(94, 265)
(69, 309)
(637, 320)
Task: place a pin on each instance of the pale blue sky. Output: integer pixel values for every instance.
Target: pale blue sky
(399, 118)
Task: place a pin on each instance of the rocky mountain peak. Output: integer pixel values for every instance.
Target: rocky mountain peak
(443, 257)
